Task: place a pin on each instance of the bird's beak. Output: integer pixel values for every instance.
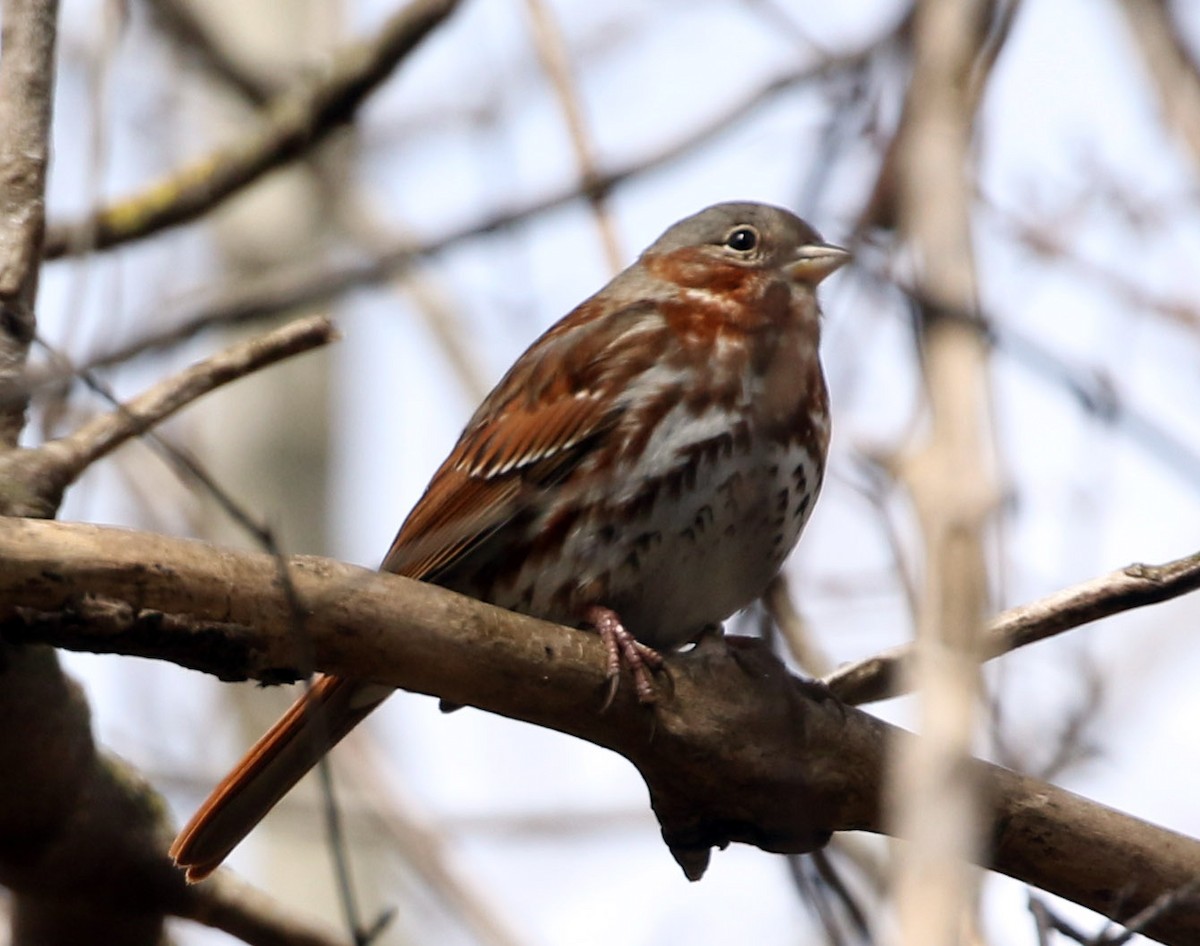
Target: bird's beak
(815, 261)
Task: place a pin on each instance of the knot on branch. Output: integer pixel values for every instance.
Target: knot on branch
(744, 751)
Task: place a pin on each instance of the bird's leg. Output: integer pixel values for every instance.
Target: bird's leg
(624, 648)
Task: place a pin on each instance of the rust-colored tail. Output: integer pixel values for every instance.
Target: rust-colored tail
(311, 727)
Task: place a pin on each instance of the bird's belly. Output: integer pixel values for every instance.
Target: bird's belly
(694, 549)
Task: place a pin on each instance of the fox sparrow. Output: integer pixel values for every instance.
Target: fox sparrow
(644, 468)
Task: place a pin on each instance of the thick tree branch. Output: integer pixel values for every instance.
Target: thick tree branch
(83, 837)
(32, 480)
(297, 121)
(731, 739)
(75, 877)
(1134, 586)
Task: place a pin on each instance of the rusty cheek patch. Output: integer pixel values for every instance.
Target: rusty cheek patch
(692, 268)
(725, 298)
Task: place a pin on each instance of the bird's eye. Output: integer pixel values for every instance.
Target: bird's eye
(742, 239)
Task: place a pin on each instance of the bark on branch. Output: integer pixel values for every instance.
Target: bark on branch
(737, 749)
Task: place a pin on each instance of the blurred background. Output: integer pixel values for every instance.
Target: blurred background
(475, 829)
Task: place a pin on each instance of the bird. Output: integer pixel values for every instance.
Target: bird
(642, 470)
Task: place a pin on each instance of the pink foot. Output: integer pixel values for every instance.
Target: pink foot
(624, 648)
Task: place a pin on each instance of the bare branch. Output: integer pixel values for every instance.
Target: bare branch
(105, 433)
(86, 837)
(288, 287)
(426, 850)
(777, 600)
(552, 51)
(1135, 586)
(294, 123)
(34, 478)
(192, 35)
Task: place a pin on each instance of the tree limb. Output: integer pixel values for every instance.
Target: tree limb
(83, 837)
(732, 737)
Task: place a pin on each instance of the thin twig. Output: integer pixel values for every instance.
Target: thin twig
(285, 288)
(36, 477)
(816, 897)
(105, 433)
(229, 904)
(426, 850)
(193, 36)
(1181, 898)
(185, 466)
(1047, 922)
(1134, 586)
(855, 911)
(551, 48)
(809, 657)
(331, 814)
(296, 122)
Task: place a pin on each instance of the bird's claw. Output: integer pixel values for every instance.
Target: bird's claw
(623, 648)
